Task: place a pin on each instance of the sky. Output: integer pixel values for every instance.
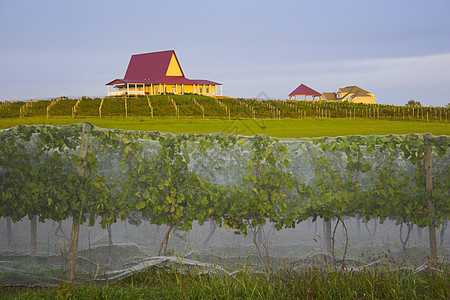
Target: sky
(397, 49)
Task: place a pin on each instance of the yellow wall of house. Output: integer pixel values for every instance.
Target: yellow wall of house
(174, 68)
(366, 100)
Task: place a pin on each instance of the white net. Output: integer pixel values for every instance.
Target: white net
(217, 202)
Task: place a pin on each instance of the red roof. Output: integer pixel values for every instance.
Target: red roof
(152, 68)
(202, 81)
(303, 90)
(176, 80)
(165, 80)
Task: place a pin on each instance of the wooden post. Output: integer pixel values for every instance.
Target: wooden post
(126, 108)
(100, 108)
(150, 105)
(9, 232)
(327, 241)
(34, 236)
(76, 217)
(430, 205)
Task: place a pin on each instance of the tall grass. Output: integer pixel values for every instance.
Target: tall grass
(312, 283)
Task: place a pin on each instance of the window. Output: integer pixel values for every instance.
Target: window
(182, 89)
(207, 90)
(174, 89)
(201, 90)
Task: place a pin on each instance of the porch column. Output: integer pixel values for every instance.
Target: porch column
(128, 88)
(160, 88)
(151, 88)
(204, 89)
(221, 90)
(182, 89)
(164, 89)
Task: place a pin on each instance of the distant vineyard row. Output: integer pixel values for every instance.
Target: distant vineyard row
(198, 107)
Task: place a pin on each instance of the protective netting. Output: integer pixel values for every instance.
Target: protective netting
(215, 203)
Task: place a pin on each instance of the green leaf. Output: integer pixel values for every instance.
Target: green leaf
(141, 205)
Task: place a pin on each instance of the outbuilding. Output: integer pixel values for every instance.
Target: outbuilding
(305, 91)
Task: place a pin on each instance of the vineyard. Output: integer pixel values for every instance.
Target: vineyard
(201, 107)
(84, 203)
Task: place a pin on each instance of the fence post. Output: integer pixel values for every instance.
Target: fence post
(100, 108)
(9, 232)
(327, 237)
(126, 108)
(76, 217)
(33, 236)
(429, 188)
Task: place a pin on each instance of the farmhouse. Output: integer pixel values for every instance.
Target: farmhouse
(159, 73)
(350, 94)
(304, 91)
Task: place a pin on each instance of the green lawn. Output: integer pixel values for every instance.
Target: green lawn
(288, 128)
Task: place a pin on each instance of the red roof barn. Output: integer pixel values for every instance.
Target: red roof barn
(159, 73)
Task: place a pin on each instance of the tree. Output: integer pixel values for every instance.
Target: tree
(413, 103)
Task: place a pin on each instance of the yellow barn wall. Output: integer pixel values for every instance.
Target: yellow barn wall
(174, 68)
(170, 88)
(188, 88)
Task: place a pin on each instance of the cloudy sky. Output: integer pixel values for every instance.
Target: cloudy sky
(397, 49)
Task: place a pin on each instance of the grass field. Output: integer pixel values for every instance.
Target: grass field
(284, 128)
